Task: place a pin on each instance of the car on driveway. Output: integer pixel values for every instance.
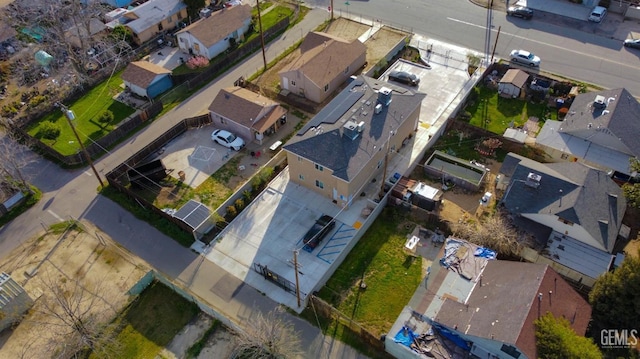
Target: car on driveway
(404, 78)
(520, 11)
(315, 234)
(525, 58)
(632, 43)
(227, 139)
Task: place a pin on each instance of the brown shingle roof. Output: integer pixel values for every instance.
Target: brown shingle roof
(219, 25)
(516, 77)
(247, 108)
(141, 73)
(504, 304)
(325, 56)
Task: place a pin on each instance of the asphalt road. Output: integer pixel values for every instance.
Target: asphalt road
(571, 48)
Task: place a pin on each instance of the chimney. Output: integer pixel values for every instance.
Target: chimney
(384, 96)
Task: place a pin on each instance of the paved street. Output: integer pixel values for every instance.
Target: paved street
(72, 194)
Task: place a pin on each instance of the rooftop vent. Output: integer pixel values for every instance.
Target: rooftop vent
(533, 180)
(384, 96)
(350, 130)
(378, 108)
(361, 126)
(599, 102)
(206, 12)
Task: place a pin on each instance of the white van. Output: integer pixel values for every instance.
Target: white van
(597, 14)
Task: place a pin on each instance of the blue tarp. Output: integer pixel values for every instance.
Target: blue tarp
(453, 336)
(405, 337)
(485, 253)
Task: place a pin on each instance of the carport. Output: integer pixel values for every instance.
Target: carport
(197, 216)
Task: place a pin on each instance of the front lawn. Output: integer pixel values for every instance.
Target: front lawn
(86, 109)
(150, 323)
(494, 113)
(390, 275)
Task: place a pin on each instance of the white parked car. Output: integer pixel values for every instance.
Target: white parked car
(227, 139)
(525, 57)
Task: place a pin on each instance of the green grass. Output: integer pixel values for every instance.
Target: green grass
(86, 109)
(150, 323)
(269, 19)
(390, 274)
(495, 113)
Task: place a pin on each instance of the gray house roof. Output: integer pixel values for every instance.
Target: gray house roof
(609, 118)
(321, 139)
(152, 13)
(571, 191)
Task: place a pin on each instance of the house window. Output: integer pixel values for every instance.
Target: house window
(346, 71)
(326, 87)
(561, 247)
(379, 164)
(293, 83)
(179, 16)
(299, 159)
(319, 168)
(182, 39)
(222, 120)
(301, 177)
(319, 184)
(160, 27)
(170, 19)
(565, 221)
(564, 156)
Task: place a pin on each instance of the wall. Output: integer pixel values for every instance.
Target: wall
(531, 255)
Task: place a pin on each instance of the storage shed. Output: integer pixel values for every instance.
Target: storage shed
(197, 216)
(512, 83)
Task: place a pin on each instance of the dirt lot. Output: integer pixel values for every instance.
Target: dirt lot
(378, 46)
(98, 264)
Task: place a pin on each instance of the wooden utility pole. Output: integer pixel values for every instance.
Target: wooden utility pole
(495, 44)
(331, 9)
(295, 267)
(264, 54)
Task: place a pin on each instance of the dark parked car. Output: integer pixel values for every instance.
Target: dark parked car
(520, 11)
(632, 43)
(314, 236)
(404, 78)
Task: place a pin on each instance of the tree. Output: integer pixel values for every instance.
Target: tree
(81, 314)
(14, 157)
(267, 337)
(493, 232)
(193, 7)
(615, 297)
(632, 190)
(556, 340)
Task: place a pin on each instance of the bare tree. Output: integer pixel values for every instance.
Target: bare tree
(493, 232)
(268, 337)
(67, 30)
(82, 318)
(14, 157)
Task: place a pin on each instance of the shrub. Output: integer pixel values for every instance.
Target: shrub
(36, 100)
(197, 62)
(239, 204)
(232, 211)
(105, 117)
(49, 130)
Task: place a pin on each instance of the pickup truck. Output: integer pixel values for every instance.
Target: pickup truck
(315, 234)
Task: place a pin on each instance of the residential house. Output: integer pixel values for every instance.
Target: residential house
(247, 114)
(326, 62)
(512, 83)
(153, 18)
(117, 3)
(490, 315)
(146, 79)
(214, 34)
(574, 211)
(14, 301)
(344, 146)
(600, 129)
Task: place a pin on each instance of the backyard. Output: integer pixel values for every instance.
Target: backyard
(87, 110)
(391, 277)
(486, 109)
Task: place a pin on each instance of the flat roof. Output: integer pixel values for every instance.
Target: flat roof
(578, 256)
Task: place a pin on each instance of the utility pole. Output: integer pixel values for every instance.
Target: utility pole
(264, 54)
(295, 267)
(331, 8)
(70, 117)
(495, 44)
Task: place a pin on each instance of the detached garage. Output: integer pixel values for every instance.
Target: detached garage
(146, 79)
(512, 83)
